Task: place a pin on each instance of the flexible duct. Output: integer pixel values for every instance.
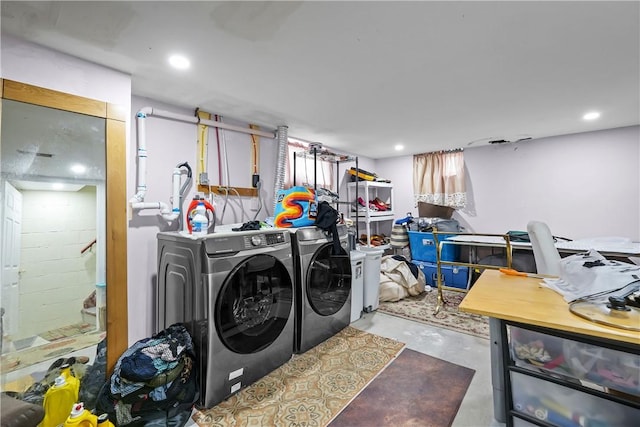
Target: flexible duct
(222, 144)
(281, 163)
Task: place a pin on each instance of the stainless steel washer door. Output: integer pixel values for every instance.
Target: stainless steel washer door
(328, 281)
(254, 304)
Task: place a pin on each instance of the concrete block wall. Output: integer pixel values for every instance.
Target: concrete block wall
(55, 277)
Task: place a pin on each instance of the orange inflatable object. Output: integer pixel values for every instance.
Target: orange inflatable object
(296, 207)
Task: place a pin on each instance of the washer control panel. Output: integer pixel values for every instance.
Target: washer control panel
(258, 240)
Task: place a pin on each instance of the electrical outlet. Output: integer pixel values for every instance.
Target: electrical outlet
(204, 178)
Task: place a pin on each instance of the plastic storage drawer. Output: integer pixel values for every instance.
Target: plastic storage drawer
(453, 276)
(591, 365)
(555, 405)
(423, 247)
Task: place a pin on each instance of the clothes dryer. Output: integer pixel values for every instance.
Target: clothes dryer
(323, 286)
(234, 291)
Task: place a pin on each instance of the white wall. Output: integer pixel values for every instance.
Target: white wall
(36, 65)
(169, 143)
(55, 277)
(583, 185)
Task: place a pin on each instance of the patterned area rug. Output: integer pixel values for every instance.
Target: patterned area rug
(420, 308)
(310, 389)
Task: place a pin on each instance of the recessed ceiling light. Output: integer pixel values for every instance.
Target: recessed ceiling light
(77, 168)
(179, 62)
(399, 147)
(591, 115)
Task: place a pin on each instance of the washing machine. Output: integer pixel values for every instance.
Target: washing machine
(323, 286)
(234, 291)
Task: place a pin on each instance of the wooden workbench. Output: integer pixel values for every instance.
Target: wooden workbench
(522, 302)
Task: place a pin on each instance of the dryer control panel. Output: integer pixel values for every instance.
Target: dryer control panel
(261, 240)
(218, 244)
(274, 239)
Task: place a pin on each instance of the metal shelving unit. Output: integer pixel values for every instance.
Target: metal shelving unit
(316, 153)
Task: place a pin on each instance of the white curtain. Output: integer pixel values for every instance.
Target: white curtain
(438, 178)
(305, 168)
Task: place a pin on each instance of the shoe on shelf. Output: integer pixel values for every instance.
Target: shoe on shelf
(377, 240)
(375, 207)
(381, 205)
(356, 207)
(361, 202)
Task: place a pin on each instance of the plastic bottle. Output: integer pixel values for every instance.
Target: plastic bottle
(103, 421)
(59, 400)
(65, 371)
(80, 417)
(200, 222)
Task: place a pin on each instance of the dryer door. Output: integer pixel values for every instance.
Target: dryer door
(328, 281)
(254, 304)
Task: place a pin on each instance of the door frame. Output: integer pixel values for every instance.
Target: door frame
(116, 202)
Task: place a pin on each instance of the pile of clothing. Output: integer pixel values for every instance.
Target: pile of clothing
(399, 278)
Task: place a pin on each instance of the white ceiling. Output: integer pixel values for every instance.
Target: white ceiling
(363, 76)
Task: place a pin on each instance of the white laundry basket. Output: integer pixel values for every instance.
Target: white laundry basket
(372, 260)
(357, 284)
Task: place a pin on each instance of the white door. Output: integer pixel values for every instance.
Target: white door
(11, 230)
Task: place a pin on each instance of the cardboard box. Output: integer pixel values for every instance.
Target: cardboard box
(429, 210)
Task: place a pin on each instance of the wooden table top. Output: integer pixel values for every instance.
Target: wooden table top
(524, 300)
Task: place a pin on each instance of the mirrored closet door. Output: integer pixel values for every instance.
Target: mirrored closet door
(63, 225)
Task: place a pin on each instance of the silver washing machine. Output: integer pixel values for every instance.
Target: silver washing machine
(323, 286)
(234, 292)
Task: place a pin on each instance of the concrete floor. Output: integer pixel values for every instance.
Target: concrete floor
(462, 349)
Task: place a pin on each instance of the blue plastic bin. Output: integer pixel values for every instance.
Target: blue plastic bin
(423, 247)
(453, 276)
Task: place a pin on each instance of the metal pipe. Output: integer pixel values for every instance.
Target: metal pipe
(215, 123)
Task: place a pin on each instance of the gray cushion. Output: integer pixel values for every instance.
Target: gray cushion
(16, 413)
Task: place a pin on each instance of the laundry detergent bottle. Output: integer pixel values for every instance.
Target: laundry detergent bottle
(80, 417)
(209, 212)
(200, 222)
(65, 371)
(59, 400)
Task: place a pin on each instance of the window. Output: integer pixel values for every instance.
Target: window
(438, 178)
